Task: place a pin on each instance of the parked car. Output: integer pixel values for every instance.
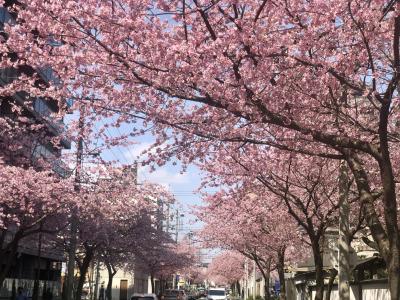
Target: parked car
(216, 294)
(137, 296)
(191, 295)
(175, 295)
(201, 293)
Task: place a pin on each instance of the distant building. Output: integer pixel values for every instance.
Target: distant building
(125, 282)
(35, 110)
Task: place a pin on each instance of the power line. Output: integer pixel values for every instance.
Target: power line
(112, 137)
(112, 152)
(129, 149)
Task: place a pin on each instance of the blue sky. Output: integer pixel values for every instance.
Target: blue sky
(181, 184)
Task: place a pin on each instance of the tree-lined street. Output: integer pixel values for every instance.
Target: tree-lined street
(288, 110)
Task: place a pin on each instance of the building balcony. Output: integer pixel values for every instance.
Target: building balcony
(44, 112)
(48, 76)
(61, 168)
(5, 17)
(50, 155)
(41, 109)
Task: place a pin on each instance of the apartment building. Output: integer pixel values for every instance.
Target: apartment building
(38, 258)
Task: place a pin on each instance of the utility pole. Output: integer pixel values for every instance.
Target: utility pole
(74, 218)
(190, 237)
(176, 225)
(246, 270)
(135, 170)
(174, 283)
(343, 242)
(167, 219)
(254, 279)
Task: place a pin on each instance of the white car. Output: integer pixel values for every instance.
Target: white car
(216, 294)
(137, 296)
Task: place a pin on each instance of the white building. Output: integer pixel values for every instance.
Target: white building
(124, 284)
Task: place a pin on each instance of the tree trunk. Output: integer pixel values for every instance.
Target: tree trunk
(281, 273)
(344, 234)
(267, 295)
(111, 273)
(319, 275)
(83, 269)
(389, 187)
(165, 285)
(394, 274)
(266, 275)
(35, 291)
(388, 241)
(161, 291)
(332, 277)
(96, 285)
(152, 283)
(7, 256)
(64, 291)
(5, 268)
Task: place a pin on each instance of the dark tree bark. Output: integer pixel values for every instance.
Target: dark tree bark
(267, 295)
(7, 256)
(387, 241)
(111, 273)
(152, 283)
(13, 291)
(332, 277)
(298, 210)
(83, 269)
(237, 287)
(319, 273)
(281, 273)
(266, 275)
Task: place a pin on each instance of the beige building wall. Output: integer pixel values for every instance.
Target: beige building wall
(125, 283)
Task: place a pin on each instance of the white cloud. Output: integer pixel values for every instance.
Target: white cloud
(163, 176)
(134, 153)
(167, 175)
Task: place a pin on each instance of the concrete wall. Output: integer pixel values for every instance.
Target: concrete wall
(370, 291)
(335, 293)
(375, 291)
(137, 283)
(27, 285)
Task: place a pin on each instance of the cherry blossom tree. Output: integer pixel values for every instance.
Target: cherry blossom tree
(227, 268)
(110, 212)
(128, 240)
(31, 202)
(161, 256)
(299, 188)
(315, 77)
(198, 275)
(18, 140)
(253, 223)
